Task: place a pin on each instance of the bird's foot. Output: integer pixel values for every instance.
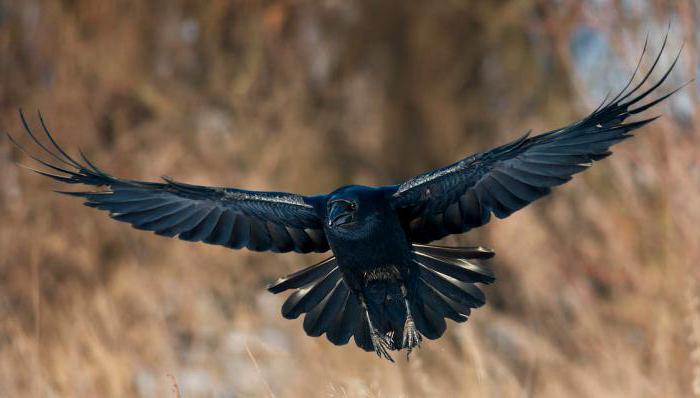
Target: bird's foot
(411, 336)
(381, 345)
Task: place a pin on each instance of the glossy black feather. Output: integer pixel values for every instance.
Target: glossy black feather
(204, 228)
(345, 323)
(475, 252)
(305, 299)
(319, 319)
(459, 269)
(461, 292)
(303, 277)
(505, 179)
(426, 323)
(361, 333)
(221, 234)
(436, 302)
(231, 217)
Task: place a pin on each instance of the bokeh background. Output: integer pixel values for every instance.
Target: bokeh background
(598, 291)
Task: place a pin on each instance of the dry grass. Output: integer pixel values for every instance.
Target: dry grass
(592, 297)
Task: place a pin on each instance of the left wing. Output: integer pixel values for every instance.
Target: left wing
(462, 196)
(231, 217)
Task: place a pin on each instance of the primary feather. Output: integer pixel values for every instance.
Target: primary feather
(500, 181)
(236, 218)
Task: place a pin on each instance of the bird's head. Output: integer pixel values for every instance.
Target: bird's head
(353, 207)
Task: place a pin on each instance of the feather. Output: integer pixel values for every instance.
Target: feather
(427, 326)
(317, 321)
(260, 239)
(253, 219)
(305, 299)
(205, 227)
(222, 230)
(361, 333)
(439, 306)
(455, 252)
(281, 240)
(504, 179)
(303, 277)
(461, 292)
(459, 269)
(346, 322)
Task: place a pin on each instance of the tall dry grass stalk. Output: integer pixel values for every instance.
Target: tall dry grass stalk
(591, 298)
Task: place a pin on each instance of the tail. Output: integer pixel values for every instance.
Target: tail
(330, 307)
(445, 288)
(446, 285)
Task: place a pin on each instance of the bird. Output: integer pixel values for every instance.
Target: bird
(386, 285)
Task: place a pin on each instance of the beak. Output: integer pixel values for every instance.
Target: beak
(337, 215)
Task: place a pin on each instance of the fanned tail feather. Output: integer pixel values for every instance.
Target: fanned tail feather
(467, 253)
(329, 305)
(303, 277)
(446, 286)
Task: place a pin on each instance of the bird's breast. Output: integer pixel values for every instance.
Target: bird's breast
(377, 245)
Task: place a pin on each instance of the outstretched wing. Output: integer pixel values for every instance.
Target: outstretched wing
(235, 218)
(462, 196)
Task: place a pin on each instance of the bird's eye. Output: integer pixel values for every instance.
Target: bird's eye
(349, 206)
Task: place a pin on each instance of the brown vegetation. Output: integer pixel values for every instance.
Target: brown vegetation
(597, 285)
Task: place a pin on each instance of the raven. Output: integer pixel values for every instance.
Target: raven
(384, 284)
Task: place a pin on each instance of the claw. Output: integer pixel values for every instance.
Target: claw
(381, 345)
(380, 342)
(411, 337)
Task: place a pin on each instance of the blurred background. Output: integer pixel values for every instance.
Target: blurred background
(598, 290)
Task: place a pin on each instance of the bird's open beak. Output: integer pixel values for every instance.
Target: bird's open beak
(337, 215)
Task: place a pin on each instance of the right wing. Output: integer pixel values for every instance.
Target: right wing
(231, 217)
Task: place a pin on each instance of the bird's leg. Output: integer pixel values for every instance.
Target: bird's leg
(411, 336)
(380, 343)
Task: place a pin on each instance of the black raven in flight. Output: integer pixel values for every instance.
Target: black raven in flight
(384, 284)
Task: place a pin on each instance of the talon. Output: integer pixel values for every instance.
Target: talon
(380, 345)
(411, 337)
(379, 341)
